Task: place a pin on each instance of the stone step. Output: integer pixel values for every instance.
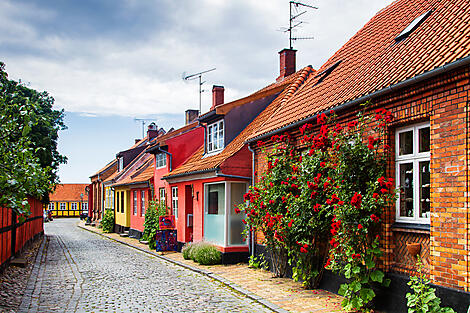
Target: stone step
(19, 262)
(124, 235)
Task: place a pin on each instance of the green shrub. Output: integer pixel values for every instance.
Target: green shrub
(186, 251)
(107, 223)
(151, 223)
(423, 299)
(205, 254)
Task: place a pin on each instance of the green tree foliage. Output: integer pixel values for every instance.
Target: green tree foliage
(29, 159)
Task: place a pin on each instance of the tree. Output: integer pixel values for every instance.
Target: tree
(29, 159)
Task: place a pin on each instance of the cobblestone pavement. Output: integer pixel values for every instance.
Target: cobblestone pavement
(78, 271)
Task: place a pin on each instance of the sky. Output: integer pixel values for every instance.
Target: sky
(107, 62)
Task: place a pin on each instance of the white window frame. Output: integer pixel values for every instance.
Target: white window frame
(120, 164)
(51, 206)
(142, 203)
(212, 144)
(162, 193)
(63, 206)
(160, 160)
(73, 206)
(84, 207)
(134, 204)
(174, 201)
(416, 157)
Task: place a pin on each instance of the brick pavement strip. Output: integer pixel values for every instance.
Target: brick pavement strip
(278, 294)
(79, 271)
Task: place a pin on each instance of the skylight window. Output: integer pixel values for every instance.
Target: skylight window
(324, 74)
(413, 25)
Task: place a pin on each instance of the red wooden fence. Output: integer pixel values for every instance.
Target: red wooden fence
(13, 235)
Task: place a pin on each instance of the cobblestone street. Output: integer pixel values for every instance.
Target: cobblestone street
(78, 271)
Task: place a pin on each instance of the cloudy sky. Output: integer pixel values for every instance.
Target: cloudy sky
(109, 61)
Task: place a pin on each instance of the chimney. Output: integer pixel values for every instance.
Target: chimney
(287, 63)
(217, 96)
(191, 116)
(152, 131)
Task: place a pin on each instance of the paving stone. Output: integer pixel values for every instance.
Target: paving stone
(79, 271)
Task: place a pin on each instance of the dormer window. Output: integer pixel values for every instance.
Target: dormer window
(412, 26)
(120, 164)
(215, 136)
(160, 160)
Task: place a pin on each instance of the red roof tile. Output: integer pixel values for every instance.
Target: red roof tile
(198, 162)
(69, 192)
(372, 60)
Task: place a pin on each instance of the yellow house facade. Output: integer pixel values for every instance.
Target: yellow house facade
(122, 204)
(68, 200)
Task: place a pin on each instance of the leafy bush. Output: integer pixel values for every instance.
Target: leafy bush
(258, 262)
(186, 251)
(151, 223)
(423, 299)
(107, 223)
(202, 252)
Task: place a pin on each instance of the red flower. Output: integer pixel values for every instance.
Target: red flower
(237, 210)
(356, 200)
(360, 226)
(290, 223)
(321, 119)
(244, 222)
(374, 218)
(322, 164)
(328, 263)
(383, 190)
(260, 143)
(352, 124)
(303, 250)
(375, 195)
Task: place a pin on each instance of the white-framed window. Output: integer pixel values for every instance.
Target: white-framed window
(412, 167)
(215, 136)
(160, 160)
(63, 206)
(84, 207)
(162, 195)
(174, 201)
(134, 203)
(73, 206)
(120, 164)
(51, 206)
(142, 203)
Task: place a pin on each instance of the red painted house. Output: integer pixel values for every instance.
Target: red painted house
(213, 181)
(413, 59)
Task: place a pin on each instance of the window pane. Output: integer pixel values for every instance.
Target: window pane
(406, 189)
(406, 143)
(236, 226)
(214, 217)
(424, 139)
(424, 189)
(216, 199)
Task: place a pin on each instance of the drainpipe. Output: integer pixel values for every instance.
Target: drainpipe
(168, 153)
(252, 233)
(231, 176)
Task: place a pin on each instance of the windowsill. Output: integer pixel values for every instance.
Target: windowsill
(411, 228)
(208, 154)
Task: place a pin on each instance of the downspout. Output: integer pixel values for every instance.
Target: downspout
(232, 176)
(168, 153)
(252, 233)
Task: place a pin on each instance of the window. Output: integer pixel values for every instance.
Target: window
(413, 174)
(62, 206)
(160, 160)
(162, 195)
(142, 203)
(412, 26)
(84, 206)
(51, 206)
(74, 206)
(174, 201)
(134, 203)
(215, 136)
(117, 202)
(120, 164)
(122, 201)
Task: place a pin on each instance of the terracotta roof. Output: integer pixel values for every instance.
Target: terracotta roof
(106, 167)
(198, 163)
(373, 60)
(69, 192)
(140, 169)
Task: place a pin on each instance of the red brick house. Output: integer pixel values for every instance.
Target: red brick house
(96, 190)
(413, 59)
(213, 181)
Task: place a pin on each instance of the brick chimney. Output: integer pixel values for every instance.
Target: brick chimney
(191, 115)
(152, 131)
(217, 96)
(287, 63)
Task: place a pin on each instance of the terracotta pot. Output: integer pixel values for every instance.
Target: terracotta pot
(413, 248)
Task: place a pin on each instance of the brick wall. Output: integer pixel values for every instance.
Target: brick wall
(443, 102)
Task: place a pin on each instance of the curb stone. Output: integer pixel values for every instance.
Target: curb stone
(209, 274)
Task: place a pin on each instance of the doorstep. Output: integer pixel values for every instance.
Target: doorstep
(278, 294)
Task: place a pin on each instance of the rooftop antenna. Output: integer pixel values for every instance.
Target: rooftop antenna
(196, 76)
(142, 120)
(295, 13)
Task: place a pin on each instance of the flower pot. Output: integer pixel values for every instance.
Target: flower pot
(413, 248)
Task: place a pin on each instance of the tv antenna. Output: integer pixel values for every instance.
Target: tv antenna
(294, 14)
(198, 76)
(143, 121)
